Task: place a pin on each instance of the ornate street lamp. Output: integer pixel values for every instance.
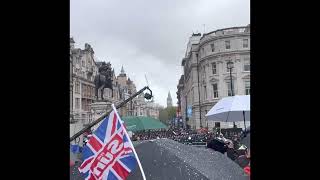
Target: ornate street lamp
(230, 67)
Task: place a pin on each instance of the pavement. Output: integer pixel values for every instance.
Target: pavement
(159, 164)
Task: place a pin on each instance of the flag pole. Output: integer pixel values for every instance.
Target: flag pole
(134, 151)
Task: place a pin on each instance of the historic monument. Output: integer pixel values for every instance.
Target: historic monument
(103, 80)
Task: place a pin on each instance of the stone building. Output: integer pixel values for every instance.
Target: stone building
(181, 108)
(126, 88)
(169, 100)
(146, 108)
(83, 70)
(205, 69)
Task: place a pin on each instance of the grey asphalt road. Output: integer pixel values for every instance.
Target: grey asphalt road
(165, 159)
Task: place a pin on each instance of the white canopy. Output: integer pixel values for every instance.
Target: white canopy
(231, 109)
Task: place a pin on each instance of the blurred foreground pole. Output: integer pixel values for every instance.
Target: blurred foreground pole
(147, 96)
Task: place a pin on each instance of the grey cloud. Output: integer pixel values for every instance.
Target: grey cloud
(150, 37)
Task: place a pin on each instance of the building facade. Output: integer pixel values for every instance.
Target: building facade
(147, 108)
(181, 105)
(83, 70)
(126, 88)
(206, 74)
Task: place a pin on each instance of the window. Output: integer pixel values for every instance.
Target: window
(247, 87)
(92, 92)
(83, 104)
(78, 60)
(227, 44)
(212, 47)
(77, 103)
(205, 92)
(88, 91)
(229, 88)
(77, 90)
(83, 90)
(246, 66)
(245, 43)
(214, 68)
(215, 90)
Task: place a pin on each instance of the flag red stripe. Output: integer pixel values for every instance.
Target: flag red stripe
(85, 163)
(127, 149)
(95, 144)
(91, 177)
(114, 124)
(121, 171)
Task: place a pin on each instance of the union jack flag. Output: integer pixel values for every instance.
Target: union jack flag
(108, 153)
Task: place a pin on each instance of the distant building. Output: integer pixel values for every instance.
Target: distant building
(169, 100)
(126, 88)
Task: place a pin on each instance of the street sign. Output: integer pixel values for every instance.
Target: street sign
(189, 111)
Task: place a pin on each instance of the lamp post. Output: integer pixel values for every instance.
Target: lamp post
(230, 67)
(71, 74)
(186, 112)
(199, 89)
(207, 121)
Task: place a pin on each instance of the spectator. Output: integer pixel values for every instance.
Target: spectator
(247, 168)
(231, 152)
(244, 160)
(218, 145)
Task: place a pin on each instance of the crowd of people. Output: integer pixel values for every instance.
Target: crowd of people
(148, 135)
(180, 135)
(234, 149)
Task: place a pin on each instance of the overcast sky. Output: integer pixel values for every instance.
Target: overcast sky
(150, 36)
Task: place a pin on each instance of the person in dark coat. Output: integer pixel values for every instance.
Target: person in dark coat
(218, 145)
(231, 152)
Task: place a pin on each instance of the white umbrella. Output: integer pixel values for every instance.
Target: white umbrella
(231, 109)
